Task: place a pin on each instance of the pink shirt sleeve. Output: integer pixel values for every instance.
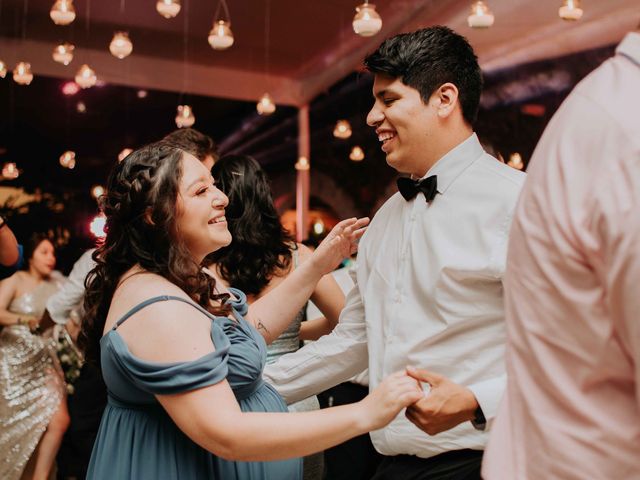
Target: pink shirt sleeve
(617, 221)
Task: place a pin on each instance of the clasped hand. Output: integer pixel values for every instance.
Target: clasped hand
(446, 405)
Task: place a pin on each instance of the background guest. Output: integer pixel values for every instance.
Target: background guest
(33, 411)
(571, 408)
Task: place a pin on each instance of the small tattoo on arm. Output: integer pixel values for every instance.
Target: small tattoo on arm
(261, 326)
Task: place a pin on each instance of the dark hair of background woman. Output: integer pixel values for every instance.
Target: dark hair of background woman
(140, 206)
(30, 246)
(261, 246)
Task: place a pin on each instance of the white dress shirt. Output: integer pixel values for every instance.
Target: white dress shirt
(429, 294)
(69, 298)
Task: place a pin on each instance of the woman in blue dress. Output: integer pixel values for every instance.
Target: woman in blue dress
(182, 357)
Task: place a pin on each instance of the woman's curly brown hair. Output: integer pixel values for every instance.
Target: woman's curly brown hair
(141, 227)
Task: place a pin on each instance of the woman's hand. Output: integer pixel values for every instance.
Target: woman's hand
(32, 322)
(341, 243)
(73, 329)
(394, 393)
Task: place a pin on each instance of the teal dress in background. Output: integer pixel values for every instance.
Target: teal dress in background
(137, 438)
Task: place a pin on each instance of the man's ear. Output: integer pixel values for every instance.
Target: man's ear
(447, 96)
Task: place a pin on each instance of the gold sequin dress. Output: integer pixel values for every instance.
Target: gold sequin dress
(31, 386)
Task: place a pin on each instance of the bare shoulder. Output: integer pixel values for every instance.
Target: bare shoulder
(165, 330)
(13, 279)
(9, 284)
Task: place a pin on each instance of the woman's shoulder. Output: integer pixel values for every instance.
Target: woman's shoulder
(137, 288)
(142, 286)
(17, 280)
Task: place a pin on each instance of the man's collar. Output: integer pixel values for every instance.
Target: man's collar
(455, 162)
(630, 47)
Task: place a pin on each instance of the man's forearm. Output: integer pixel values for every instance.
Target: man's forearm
(317, 367)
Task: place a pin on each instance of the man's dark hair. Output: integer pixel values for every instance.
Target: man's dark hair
(428, 58)
(192, 141)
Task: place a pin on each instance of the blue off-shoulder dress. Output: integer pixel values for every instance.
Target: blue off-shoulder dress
(137, 438)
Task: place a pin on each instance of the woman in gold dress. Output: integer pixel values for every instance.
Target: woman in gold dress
(33, 411)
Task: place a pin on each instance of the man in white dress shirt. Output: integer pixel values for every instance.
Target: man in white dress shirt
(429, 272)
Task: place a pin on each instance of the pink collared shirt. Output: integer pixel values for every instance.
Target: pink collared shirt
(571, 409)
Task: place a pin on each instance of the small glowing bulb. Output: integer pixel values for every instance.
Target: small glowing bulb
(185, 117)
(265, 105)
(22, 73)
(302, 163)
(121, 46)
(357, 154)
(63, 53)
(168, 8)
(342, 129)
(97, 226)
(63, 12)
(221, 36)
(86, 77)
(97, 191)
(124, 153)
(366, 22)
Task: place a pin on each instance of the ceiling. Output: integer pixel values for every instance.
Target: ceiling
(314, 58)
(311, 44)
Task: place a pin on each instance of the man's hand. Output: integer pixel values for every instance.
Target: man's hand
(445, 406)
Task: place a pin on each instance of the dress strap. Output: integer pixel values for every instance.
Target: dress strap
(161, 298)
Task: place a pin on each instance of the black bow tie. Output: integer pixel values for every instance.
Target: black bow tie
(409, 188)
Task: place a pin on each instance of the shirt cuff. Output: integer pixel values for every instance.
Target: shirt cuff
(488, 394)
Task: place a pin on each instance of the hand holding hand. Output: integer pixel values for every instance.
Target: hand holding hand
(446, 405)
(394, 393)
(341, 243)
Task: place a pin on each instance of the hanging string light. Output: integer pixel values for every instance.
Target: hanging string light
(302, 163)
(22, 73)
(97, 225)
(342, 129)
(3, 69)
(570, 10)
(124, 153)
(68, 159)
(168, 8)
(86, 77)
(367, 21)
(97, 191)
(515, 161)
(10, 171)
(63, 53)
(480, 16)
(357, 154)
(63, 12)
(185, 117)
(265, 105)
(318, 226)
(221, 36)
(121, 46)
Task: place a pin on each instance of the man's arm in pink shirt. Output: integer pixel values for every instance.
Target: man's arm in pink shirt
(619, 229)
